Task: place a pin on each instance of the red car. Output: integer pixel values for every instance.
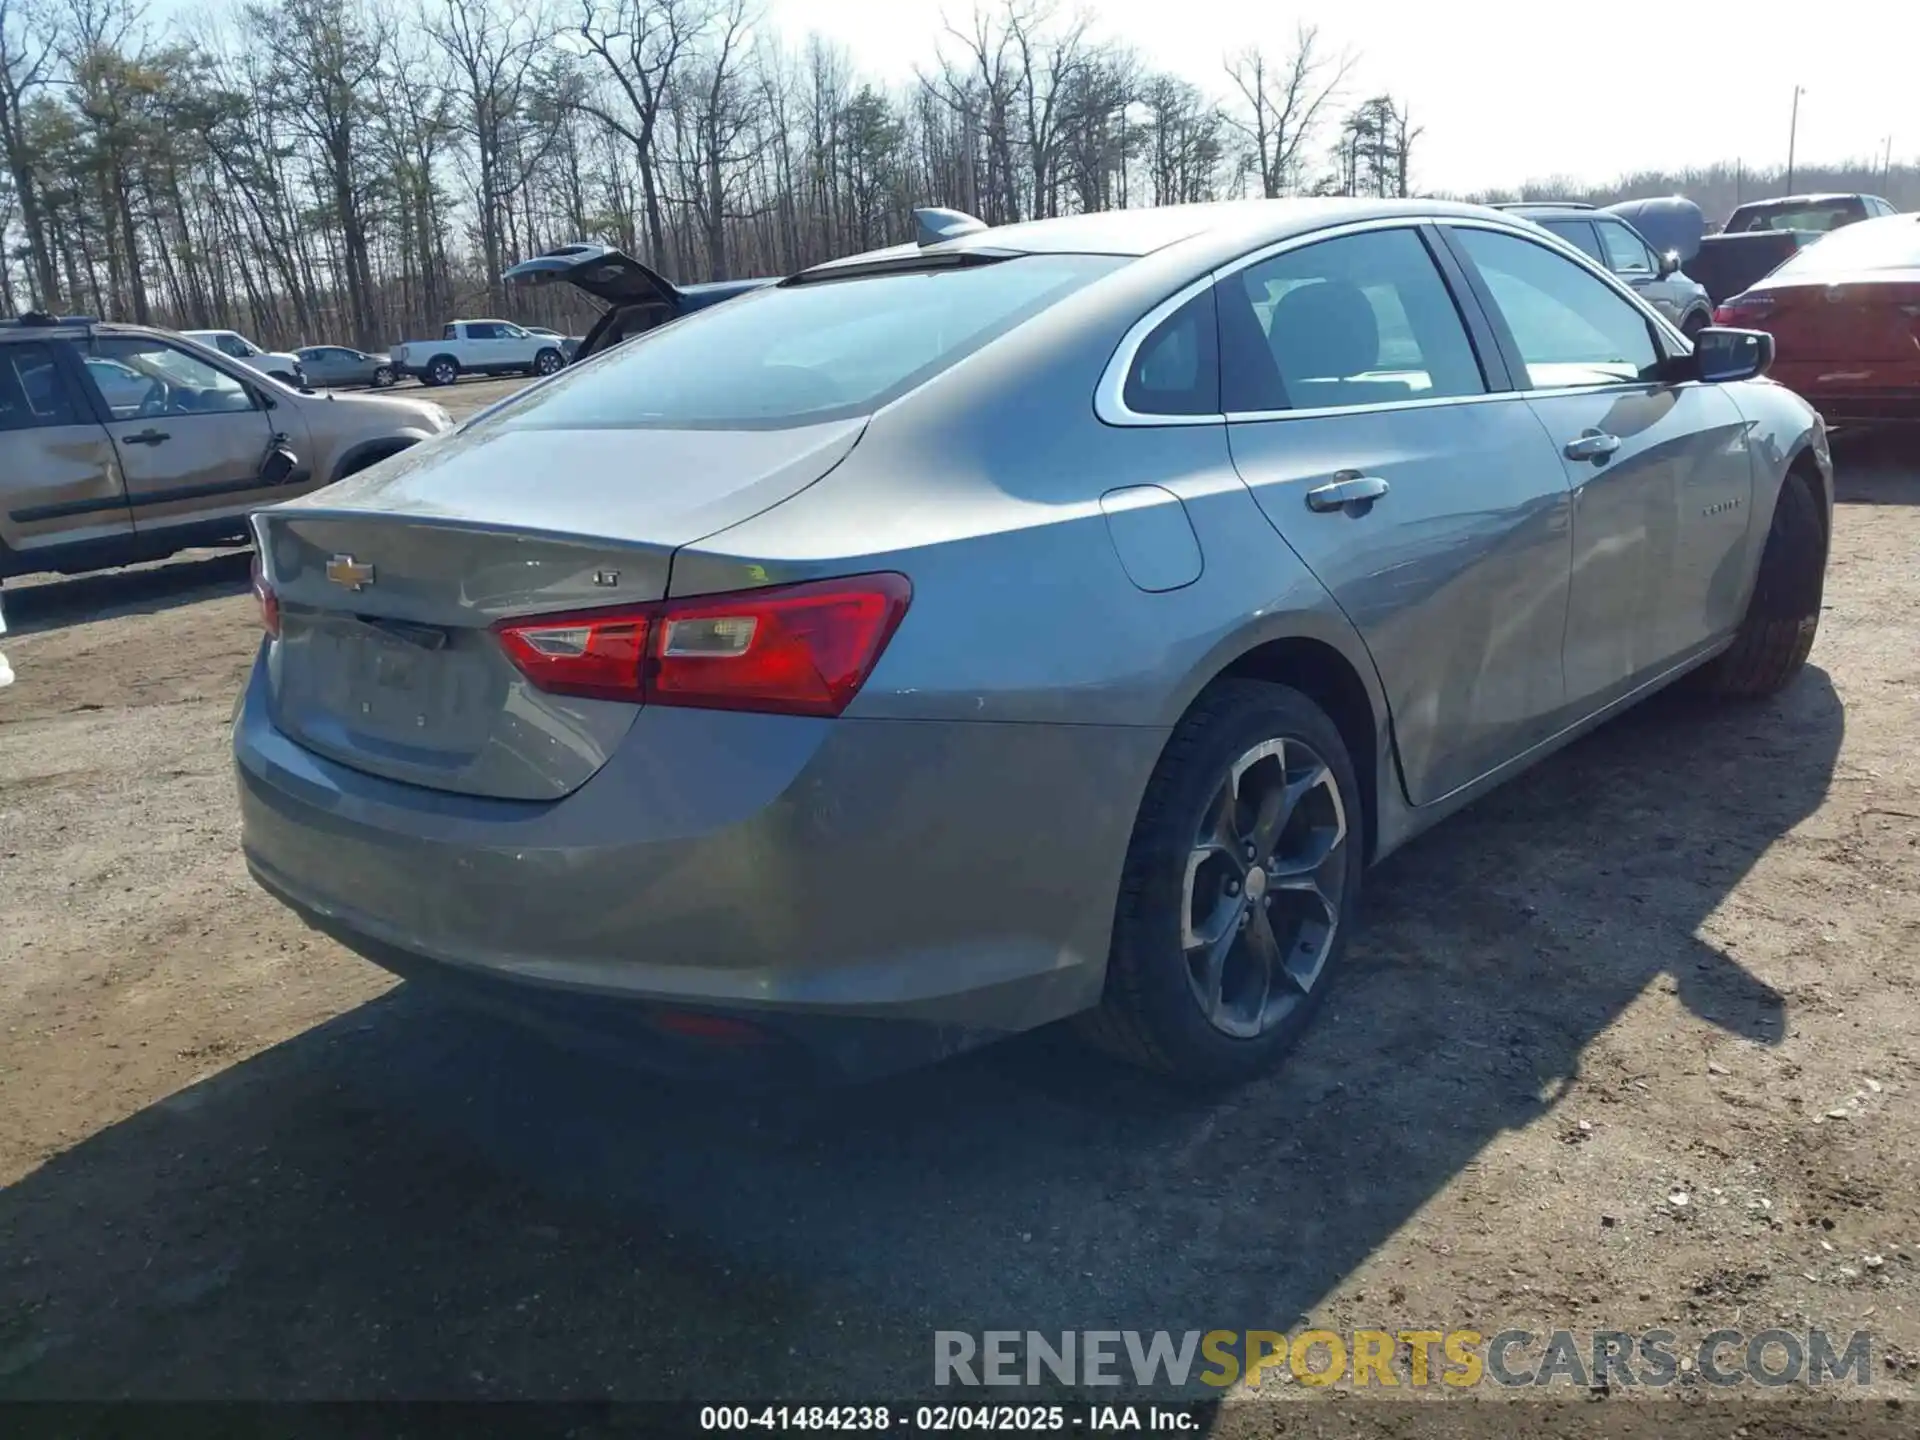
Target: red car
(1844, 314)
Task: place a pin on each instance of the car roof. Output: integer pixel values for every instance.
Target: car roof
(1228, 227)
(1779, 202)
(1549, 211)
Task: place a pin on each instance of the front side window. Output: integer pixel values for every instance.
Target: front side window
(1570, 326)
(1626, 253)
(1360, 320)
(34, 391)
(801, 354)
(184, 385)
(1176, 371)
(1579, 233)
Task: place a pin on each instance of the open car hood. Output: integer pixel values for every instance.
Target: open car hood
(607, 274)
(1671, 222)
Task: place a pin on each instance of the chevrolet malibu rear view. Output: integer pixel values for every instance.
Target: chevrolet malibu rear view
(1038, 622)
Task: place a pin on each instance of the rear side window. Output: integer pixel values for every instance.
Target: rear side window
(804, 354)
(1360, 320)
(34, 391)
(485, 330)
(1177, 368)
(1570, 327)
(1580, 233)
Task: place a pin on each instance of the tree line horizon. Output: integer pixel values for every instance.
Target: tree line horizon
(361, 171)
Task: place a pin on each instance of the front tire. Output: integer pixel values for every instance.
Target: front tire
(547, 361)
(383, 377)
(1783, 613)
(1239, 889)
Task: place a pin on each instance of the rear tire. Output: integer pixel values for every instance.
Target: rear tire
(1216, 1011)
(1783, 614)
(441, 370)
(1694, 324)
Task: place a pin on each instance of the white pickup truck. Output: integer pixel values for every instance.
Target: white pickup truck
(478, 347)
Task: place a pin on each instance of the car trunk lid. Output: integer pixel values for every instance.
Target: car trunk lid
(388, 585)
(1869, 316)
(609, 275)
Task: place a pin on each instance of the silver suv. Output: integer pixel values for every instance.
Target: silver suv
(121, 443)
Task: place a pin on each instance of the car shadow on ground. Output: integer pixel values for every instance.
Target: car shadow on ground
(1876, 467)
(49, 602)
(408, 1201)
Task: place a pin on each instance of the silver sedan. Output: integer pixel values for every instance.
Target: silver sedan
(1049, 621)
(341, 365)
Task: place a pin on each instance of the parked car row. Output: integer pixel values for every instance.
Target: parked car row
(1182, 563)
(1835, 279)
(121, 443)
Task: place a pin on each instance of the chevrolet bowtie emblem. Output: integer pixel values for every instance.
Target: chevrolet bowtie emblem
(347, 571)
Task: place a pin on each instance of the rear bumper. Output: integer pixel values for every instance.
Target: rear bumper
(1854, 395)
(952, 882)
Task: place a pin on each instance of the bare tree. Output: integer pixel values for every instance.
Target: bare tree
(26, 67)
(1282, 104)
(641, 45)
(494, 51)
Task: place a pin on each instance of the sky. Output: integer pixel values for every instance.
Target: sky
(1510, 91)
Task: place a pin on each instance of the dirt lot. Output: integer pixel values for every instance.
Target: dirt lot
(1633, 1043)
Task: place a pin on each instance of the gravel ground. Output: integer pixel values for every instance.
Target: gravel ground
(1631, 1043)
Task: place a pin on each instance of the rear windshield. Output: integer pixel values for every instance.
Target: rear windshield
(1833, 216)
(1888, 244)
(803, 354)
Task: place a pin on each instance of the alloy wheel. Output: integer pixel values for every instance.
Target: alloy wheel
(1263, 886)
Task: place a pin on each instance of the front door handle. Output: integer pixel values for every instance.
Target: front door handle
(1349, 487)
(149, 437)
(1592, 445)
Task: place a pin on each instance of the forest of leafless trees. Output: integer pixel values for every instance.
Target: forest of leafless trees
(358, 170)
(354, 170)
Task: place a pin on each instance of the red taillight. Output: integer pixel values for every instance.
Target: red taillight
(268, 601)
(719, 1029)
(598, 655)
(793, 650)
(1743, 310)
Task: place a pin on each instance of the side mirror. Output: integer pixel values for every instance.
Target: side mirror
(279, 464)
(1722, 355)
(1669, 262)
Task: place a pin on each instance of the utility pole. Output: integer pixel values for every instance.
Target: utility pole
(1886, 165)
(1793, 134)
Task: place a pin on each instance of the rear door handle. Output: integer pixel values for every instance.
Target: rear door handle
(1592, 445)
(1349, 487)
(149, 437)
